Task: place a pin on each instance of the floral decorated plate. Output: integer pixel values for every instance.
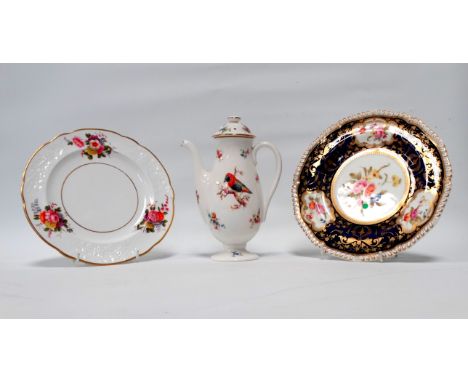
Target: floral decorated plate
(371, 185)
(97, 196)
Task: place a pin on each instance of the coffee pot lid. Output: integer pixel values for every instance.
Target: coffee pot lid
(234, 128)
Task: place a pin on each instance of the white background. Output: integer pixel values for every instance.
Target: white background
(289, 105)
(244, 31)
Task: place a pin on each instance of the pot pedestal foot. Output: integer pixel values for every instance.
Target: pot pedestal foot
(234, 255)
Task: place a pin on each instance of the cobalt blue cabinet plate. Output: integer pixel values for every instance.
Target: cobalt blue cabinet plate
(371, 185)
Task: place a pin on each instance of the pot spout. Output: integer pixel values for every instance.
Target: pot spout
(200, 172)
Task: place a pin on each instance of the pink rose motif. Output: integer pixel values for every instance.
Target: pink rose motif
(95, 144)
(414, 213)
(359, 186)
(78, 142)
(155, 216)
(320, 208)
(52, 216)
(380, 133)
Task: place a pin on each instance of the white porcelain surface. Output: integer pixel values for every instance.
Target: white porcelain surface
(371, 186)
(230, 196)
(97, 196)
(234, 255)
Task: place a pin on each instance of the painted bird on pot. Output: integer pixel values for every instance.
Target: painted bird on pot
(235, 184)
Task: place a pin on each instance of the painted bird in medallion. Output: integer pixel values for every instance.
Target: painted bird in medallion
(235, 184)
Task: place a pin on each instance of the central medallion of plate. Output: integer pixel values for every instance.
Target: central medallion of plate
(370, 186)
(99, 197)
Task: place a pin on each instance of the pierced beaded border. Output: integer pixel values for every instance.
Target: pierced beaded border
(446, 187)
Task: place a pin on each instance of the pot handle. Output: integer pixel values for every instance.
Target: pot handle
(278, 164)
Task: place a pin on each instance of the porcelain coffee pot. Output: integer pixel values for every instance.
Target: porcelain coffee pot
(230, 195)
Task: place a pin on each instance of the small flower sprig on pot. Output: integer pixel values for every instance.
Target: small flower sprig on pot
(214, 220)
(155, 217)
(93, 145)
(50, 218)
(255, 219)
(244, 153)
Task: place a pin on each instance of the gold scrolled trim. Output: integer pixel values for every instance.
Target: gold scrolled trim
(58, 249)
(446, 186)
